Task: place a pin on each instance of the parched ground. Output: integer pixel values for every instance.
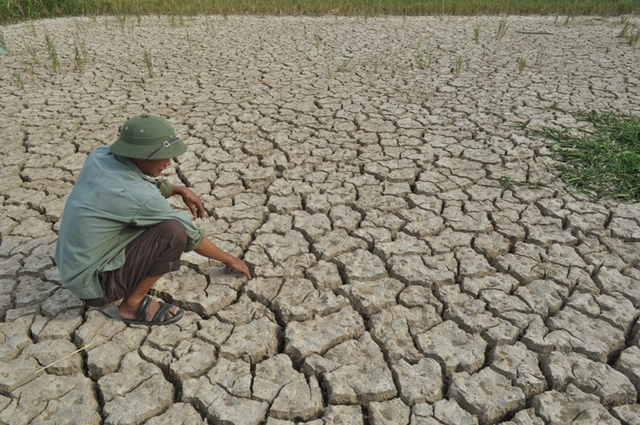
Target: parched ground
(417, 259)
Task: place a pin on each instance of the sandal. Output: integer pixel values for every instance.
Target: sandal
(162, 316)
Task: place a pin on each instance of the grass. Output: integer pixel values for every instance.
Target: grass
(148, 62)
(458, 65)
(605, 164)
(318, 41)
(3, 42)
(79, 52)
(476, 32)
(522, 63)
(634, 36)
(190, 43)
(53, 54)
(32, 52)
(507, 183)
(15, 10)
(31, 71)
(210, 28)
(19, 79)
(502, 28)
(421, 61)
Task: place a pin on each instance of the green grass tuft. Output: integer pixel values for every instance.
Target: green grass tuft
(605, 164)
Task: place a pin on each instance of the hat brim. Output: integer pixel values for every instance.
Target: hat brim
(128, 150)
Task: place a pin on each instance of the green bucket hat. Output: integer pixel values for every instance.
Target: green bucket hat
(148, 137)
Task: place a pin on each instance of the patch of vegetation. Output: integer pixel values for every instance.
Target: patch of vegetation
(605, 164)
(15, 10)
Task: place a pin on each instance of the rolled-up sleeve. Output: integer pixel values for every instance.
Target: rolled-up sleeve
(157, 209)
(166, 188)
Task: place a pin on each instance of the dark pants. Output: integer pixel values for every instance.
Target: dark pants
(154, 253)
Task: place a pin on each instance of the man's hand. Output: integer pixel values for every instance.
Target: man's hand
(239, 266)
(209, 250)
(191, 200)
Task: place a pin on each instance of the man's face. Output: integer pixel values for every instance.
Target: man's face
(152, 167)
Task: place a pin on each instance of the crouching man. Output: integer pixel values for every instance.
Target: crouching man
(119, 234)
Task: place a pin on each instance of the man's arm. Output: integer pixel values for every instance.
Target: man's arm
(209, 250)
(206, 247)
(191, 200)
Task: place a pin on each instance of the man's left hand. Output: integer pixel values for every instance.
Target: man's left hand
(191, 200)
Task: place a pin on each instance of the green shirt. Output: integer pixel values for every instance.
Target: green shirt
(111, 203)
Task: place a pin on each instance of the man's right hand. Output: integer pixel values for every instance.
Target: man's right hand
(210, 250)
(239, 266)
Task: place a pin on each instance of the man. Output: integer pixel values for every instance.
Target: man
(119, 234)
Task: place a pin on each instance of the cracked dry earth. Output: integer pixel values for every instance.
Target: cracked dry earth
(417, 259)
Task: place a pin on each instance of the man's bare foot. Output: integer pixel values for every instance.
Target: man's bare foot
(148, 312)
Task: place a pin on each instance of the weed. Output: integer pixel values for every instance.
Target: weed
(459, 63)
(120, 16)
(625, 29)
(77, 57)
(19, 79)
(318, 41)
(78, 26)
(330, 72)
(53, 54)
(190, 43)
(31, 71)
(344, 67)
(634, 36)
(79, 52)
(554, 107)
(148, 62)
(507, 183)
(602, 164)
(31, 51)
(540, 57)
(566, 21)
(522, 63)
(375, 65)
(420, 60)
(81, 45)
(131, 29)
(32, 29)
(209, 27)
(3, 42)
(476, 32)
(503, 26)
